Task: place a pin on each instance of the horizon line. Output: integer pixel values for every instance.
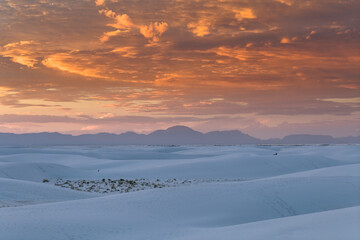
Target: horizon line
(146, 134)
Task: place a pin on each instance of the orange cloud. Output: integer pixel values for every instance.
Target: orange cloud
(21, 52)
(285, 40)
(99, 2)
(244, 13)
(167, 79)
(350, 86)
(5, 91)
(154, 30)
(128, 52)
(77, 65)
(200, 28)
(238, 53)
(106, 36)
(342, 100)
(286, 2)
(123, 23)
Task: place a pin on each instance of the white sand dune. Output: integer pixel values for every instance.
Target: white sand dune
(19, 193)
(329, 225)
(35, 171)
(227, 162)
(301, 193)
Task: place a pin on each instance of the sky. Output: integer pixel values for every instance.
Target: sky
(269, 68)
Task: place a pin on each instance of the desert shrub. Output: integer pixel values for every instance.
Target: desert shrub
(45, 180)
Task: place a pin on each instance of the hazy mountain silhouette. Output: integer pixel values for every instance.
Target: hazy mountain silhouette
(177, 135)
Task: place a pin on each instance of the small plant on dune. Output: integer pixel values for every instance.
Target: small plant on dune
(45, 180)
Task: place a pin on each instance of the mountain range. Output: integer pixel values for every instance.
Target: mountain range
(176, 135)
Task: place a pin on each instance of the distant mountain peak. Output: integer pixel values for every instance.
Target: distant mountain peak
(179, 128)
(176, 132)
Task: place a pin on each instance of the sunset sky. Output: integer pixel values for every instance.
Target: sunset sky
(268, 68)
